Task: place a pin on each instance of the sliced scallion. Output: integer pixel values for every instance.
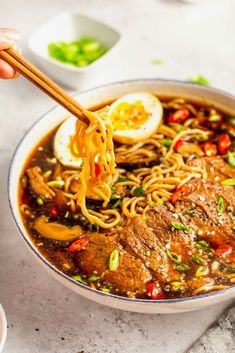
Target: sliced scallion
(176, 258)
(198, 260)
(40, 201)
(202, 244)
(122, 179)
(116, 204)
(201, 271)
(94, 278)
(232, 121)
(114, 260)
(139, 191)
(159, 202)
(56, 183)
(182, 267)
(105, 290)
(220, 205)
(79, 278)
(228, 182)
(166, 142)
(180, 226)
(231, 159)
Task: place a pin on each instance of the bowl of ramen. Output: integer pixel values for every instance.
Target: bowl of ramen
(133, 207)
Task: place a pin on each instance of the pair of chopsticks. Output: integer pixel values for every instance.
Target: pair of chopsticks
(43, 82)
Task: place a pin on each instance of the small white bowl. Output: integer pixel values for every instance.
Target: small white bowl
(3, 328)
(68, 27)
(94, 97)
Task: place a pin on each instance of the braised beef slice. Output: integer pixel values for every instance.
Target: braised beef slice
(199, 210)
(131, 274)
(217, 169)
(160, 221)
(149, 240)
(140, 240)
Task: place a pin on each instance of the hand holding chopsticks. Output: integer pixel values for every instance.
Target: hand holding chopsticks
(28, 70)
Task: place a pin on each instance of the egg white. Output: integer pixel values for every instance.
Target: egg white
(62, 143)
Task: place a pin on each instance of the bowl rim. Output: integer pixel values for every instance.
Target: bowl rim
(60, 273)
(4, 327)
(68, 66)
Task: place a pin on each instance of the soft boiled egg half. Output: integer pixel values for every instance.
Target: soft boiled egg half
(135, 117)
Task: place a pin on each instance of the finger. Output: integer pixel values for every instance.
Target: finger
(6, 71)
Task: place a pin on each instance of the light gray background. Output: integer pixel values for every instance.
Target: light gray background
(191, 39)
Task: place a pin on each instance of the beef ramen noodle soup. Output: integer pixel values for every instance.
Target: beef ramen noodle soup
(140, 202)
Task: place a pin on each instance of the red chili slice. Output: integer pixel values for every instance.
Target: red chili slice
(224, 143)
(182, 191)
(209, 149)
(154, 291)
(223, 250)
(54, 211)
(78, 245)
(178, 144)
(97, 169)
(179, 116)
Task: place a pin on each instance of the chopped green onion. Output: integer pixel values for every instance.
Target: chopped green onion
(66, 214)
(105, 290)
(200, 79)
(166, 142)
(115, 196)
(202, 244)
(114, 260)
(179, 129)
(215, 117)
(220, 205)
(231, 159)
(158, 61)
(56, 183)
(182, 267)
(176, 258)
(113, 188)
(47, 174)
(94, 278)
(180, 226)
(79, 53)
(159, 202)
(177, 286)
(94, 227)
(116, 204)
(198, 260)
(139, 191)
(122, 179)
(232, 121)
(79, 278)
(40, 201)
(201, 271)
(228, 182)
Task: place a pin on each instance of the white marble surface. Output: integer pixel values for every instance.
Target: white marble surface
(43, 316)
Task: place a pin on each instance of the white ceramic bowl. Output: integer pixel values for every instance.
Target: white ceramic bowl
(68, 27)
(91, 98)
(3, 328)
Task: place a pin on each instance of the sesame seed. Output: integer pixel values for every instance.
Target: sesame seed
(175, 215)
(201, 198)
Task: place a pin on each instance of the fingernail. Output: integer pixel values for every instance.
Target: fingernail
(9, 37)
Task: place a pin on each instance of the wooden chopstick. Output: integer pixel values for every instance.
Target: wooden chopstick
(43, 82)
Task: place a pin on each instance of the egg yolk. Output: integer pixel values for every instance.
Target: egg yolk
(129, 116)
